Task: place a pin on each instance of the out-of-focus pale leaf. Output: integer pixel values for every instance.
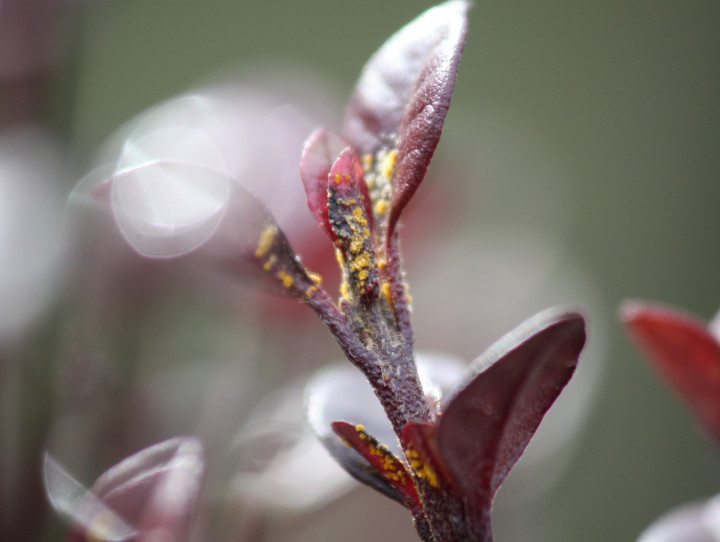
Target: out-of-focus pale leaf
(684, 351)
(342, 393)
(173, 209)
(80, 507)
(171, 186)
(33, 238)
(251, 129)
(280, 462)
(167, 209)
(697, 522)
(440, 375)
(155, 490)
(403, 95)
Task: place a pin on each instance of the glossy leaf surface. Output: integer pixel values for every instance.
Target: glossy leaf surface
(684, 351)
(488, 424)
(403, 95)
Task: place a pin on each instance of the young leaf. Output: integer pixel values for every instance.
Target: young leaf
(350, 216)
(403, 94)
(342, 393)
(379, 456)
(318, 156)
(489, 422)
(683, 350)
(347, 181)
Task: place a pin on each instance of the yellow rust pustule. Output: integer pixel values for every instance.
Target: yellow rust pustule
(356, 252)
(270, 262)
(286, 279)
(266, 240)
(388, 164)
(315, 277)
(421, 469)
(379, 170)
(391, 466)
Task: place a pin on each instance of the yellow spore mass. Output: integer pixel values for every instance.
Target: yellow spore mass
(388, 167)
(286, 279)
(267, 237)
(363, 261)
(381, 207)
(339, 257)
(392, 467)
(339, 177)
(345, 290)
(422, 469)
(359, 216)
(315, 277)
(311, 291)
(368, 160)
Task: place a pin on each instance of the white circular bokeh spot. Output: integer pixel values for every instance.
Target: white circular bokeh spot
(169, 192)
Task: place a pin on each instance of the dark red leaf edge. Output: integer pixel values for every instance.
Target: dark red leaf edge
(683, 350)
(425, 115)
(488, 423)
(379, 456)
(445, 503)
(346, 175)
(420, 444)
(320, 152)
(403, 94)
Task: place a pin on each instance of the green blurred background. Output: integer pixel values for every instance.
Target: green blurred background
(597, 123)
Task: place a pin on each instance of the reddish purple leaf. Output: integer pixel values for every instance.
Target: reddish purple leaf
(381, 458)
(319, 154)
(683, 350)
(153, 491)
(347, 181)
(487, 425)
(350, 218)
(420, 443)
(402, 97)
(343, 393)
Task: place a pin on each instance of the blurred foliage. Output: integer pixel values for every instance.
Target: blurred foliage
(595, 123)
